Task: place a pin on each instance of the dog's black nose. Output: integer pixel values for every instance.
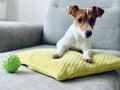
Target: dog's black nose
(88, 33)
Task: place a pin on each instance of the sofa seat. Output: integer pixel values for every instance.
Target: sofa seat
(27, 79)
(17, 35)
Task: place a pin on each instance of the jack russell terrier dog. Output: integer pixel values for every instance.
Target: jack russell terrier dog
(78, 34)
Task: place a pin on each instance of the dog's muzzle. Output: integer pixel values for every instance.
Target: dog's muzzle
(88, 33)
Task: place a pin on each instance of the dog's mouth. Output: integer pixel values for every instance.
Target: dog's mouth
(86, 37)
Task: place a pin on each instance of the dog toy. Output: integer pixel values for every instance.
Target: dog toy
(11, 63)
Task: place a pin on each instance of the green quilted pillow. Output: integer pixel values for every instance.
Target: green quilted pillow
(70, 65)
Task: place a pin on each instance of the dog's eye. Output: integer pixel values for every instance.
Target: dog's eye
(92, 20)
(80, 20)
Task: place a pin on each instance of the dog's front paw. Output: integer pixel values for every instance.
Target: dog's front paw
(88, 60)
(56, 56)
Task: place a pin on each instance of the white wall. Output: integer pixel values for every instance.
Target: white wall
(31, 11)
(3, 12)
(12, 10)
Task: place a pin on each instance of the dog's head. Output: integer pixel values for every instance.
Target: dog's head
(84, 19)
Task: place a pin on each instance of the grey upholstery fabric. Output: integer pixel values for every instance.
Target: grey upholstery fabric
(26, 79)
(16, 35)
(106, 38)
(112, 52)
(106, 33)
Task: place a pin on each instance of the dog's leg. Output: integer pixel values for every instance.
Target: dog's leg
(86, 56)
(59, 52)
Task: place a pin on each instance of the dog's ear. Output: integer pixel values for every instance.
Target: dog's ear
(98, 12)
(72, 10)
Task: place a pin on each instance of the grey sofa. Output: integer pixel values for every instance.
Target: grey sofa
(17, 36)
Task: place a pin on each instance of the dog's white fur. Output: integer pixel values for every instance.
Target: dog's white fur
(78, 39)
(74, 39)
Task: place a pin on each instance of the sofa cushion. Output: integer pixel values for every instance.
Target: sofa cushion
(69, 66)
(106, 34)
(25, 78)
(16, 35)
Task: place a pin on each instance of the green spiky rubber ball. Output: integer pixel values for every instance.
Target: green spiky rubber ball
(11, 63)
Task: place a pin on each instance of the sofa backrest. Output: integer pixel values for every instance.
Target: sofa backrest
(17, 35)
(106, 33)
